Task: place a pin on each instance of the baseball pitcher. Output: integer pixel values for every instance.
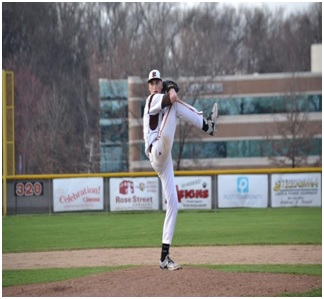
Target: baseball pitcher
(161, 111)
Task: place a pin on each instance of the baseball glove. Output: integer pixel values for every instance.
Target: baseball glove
(168, 84)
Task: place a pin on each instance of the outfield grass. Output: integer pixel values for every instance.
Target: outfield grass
(118, 230)
(144, 229)
(303, 269)
(30, 276)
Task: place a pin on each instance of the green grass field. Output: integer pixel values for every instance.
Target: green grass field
(118, 230)
(108, 230)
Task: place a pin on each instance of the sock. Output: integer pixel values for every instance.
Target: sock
(205, 125)
(165, 251)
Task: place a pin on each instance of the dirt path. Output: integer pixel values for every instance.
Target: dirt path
(147, 280)
(289, 254)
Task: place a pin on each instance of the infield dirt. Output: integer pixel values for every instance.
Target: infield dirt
(147, 280)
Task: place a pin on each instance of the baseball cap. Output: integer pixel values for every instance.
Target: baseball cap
(154, 74)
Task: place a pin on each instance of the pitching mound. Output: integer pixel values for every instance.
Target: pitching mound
(149, 281)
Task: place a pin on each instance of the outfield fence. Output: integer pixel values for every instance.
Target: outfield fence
(141, 191)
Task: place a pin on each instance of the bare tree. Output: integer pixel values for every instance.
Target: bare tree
(160, 24)
(67, 46)
(29, 121)
(208, 41)
(291, 141)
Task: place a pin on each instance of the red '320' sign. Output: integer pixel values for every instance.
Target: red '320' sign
(29, 188)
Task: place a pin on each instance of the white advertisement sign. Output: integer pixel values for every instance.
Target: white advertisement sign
(134, 194)
(78, 194)
(296, 190)
(194, 193)
(248, 191)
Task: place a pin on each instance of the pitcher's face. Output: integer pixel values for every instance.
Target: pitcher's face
(155, 86)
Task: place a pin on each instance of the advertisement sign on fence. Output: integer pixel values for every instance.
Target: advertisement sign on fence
(194, 193)
(248, 191)
(78, 194)
(134, 194)
(296, 190)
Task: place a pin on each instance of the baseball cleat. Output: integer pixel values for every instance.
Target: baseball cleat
(214, 113)
(211, 120)
(169, 264)
(211, 126)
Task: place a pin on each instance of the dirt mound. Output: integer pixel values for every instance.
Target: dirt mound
(149, 281)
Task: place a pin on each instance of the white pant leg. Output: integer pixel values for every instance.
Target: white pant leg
(189, 114)
(171, 197)
(165, 139)
(161, 159)
(166, 175)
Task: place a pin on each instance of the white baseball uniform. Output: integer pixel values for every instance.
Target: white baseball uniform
(158, 145)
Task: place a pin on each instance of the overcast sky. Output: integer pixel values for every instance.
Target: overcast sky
(289, 7)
